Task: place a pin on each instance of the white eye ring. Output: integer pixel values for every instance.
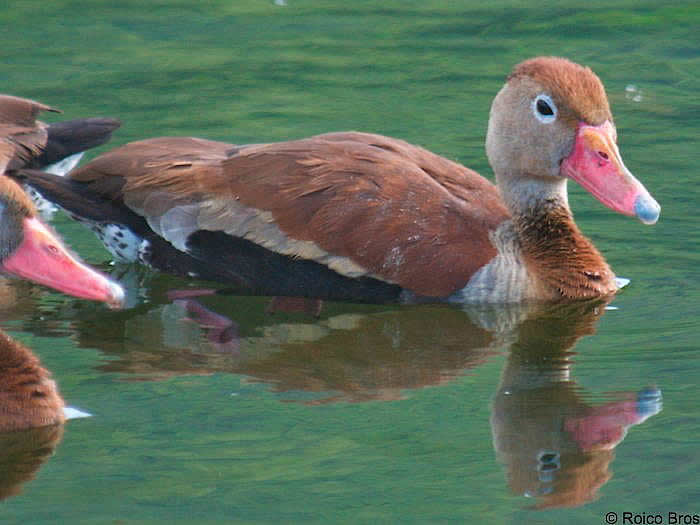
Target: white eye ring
(544, 108)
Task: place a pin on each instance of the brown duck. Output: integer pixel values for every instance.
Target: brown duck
(362, 217)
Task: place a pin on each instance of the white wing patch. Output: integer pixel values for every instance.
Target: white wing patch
(65, 165)
(46, 208)
(177, 224)
(259, 227)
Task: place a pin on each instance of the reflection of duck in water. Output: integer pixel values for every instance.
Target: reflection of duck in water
(22, 453)
(350, 354)
(557, 448)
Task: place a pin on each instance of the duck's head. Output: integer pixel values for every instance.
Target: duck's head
(30, 250)
(550, 122)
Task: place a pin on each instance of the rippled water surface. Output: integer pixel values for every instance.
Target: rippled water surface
(352, 413)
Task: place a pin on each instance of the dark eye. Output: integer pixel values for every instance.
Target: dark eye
(543, 108)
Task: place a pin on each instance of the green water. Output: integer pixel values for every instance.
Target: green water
(364, 414)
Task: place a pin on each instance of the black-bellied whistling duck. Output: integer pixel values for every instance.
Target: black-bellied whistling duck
(28, 396)
(355, 216)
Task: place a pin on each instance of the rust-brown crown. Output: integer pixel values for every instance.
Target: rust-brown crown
(576, 89)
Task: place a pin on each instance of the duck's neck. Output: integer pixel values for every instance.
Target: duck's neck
(522, 194)
(556, 253)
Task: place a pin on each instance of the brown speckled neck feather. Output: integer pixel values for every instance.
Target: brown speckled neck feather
(565, 261)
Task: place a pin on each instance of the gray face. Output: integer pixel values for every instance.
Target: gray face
(529, 131)
(10, 229)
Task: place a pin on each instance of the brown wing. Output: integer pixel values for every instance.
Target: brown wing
(153, 166)
(7, 151)
(156, 163)
(20, 130)
(404, 214)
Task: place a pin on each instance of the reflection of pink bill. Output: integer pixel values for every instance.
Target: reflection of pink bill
(605, 426)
